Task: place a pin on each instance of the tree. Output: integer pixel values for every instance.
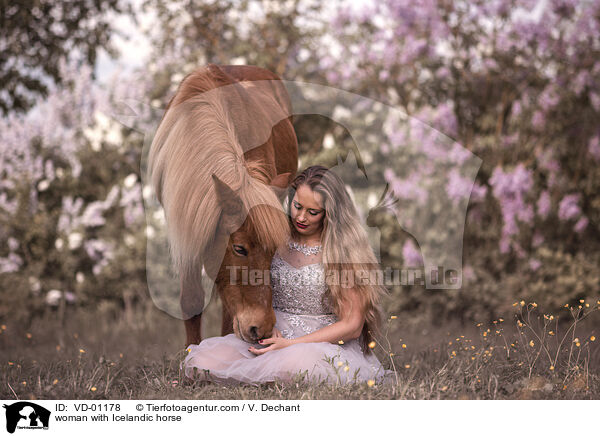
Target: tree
(37, 34)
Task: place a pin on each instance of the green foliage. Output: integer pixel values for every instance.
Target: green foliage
(38, 35)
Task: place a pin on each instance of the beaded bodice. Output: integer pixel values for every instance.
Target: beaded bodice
(299, 290)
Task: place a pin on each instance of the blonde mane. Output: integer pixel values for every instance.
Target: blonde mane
(196, 139)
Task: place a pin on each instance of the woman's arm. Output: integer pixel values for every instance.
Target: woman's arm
(348, 327)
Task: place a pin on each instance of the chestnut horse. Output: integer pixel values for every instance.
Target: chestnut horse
(220, 161)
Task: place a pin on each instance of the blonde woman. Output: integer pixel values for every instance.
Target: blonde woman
(326, 316)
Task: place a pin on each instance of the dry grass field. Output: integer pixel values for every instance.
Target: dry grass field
(526, 355)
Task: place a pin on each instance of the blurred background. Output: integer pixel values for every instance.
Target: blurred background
(517, 83)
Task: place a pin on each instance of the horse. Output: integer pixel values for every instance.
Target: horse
(220, 162)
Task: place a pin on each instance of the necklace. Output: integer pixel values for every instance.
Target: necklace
(303, 248)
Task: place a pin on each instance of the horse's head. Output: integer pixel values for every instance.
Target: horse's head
(243, 275)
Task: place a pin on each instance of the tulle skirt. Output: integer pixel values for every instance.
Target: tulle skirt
(226, 359)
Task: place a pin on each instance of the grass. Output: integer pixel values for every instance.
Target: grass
(527, 355)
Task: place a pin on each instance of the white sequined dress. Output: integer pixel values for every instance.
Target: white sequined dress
(301, 307)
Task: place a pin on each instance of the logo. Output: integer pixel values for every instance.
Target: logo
(26, 415)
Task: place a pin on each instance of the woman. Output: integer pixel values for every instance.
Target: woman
(325, 318)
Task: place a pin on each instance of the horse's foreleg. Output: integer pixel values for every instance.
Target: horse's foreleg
(226, 323)
(192, 305)
(193, 330)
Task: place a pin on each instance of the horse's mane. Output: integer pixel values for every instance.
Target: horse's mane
(195, 139)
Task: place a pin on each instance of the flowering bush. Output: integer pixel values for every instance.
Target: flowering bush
(70, 202)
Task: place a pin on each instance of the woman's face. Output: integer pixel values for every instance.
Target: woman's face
(307, 211)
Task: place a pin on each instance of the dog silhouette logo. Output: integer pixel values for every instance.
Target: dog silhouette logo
(26, 415)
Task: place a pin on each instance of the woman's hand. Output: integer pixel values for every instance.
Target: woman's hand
(276, 343)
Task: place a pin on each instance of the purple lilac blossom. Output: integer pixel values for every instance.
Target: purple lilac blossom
(594, 147)
(9, 264)
(534, 264)
(411, 254)
(510, 189)
(568, 207)
(544, 204)
(581, 224)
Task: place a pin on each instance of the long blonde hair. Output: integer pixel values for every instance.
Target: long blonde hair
(345, 246)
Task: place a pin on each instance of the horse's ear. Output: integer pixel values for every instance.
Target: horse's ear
(280, 184)
(230, 202)
(281, 181)
(219, 75)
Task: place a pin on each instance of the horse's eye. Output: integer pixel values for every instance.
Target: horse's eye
(240, 250)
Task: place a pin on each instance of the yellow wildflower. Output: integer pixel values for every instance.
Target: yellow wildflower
(393, 317)
(370, 383)
(581, 301)
(551, 333)
(534, 304)
(24, 383)
(341, 342)
(81, 350)
(93, 389)
(592, 338)
(372, 344)
(346, 368)
(340, 363)
(55, 381)
(551, 367)
(531, 343)
(407, 366)
(522, 303)
(403, 345)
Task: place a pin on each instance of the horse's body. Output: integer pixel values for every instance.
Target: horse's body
(220, 157)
